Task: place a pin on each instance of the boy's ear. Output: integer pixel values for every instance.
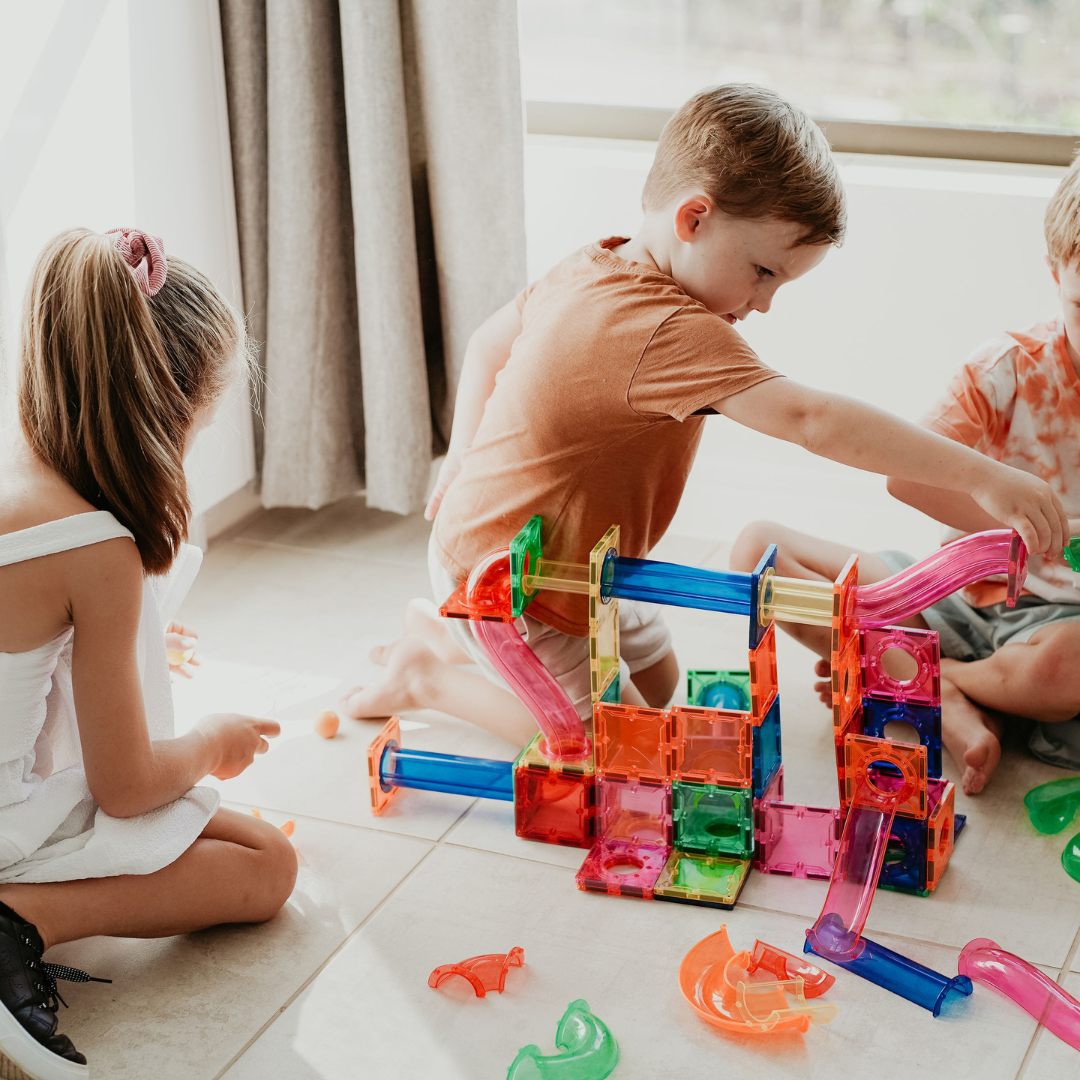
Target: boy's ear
(1053, 270)
(689, 215)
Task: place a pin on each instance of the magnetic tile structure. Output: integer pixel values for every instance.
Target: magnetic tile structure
(678, 804)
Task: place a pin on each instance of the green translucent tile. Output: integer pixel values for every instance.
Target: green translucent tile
(525, 547)
(713, 820)
(701, 879)
(718, 689)
(612, 692)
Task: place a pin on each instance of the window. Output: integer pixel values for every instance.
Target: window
(873, 65)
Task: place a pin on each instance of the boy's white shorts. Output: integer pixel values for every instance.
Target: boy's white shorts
(643, 640)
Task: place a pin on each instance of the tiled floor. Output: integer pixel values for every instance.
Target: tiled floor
(336, 986)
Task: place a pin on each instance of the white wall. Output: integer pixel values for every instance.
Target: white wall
(940, 255)
(112, 112)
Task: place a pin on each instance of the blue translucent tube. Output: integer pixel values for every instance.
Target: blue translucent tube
(901, 975)
(478, 777)
(680, 586)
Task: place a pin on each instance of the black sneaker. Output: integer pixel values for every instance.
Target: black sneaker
(28, 1035)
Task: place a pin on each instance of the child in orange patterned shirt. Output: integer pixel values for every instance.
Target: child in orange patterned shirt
(1016, 400)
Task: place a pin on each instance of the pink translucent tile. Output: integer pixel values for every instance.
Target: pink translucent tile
(798, 841)
(921, 645)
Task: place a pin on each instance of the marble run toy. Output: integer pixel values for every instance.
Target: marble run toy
(482, 973)
(987, 962)
(715, 980)
(588, 1050)
(678, 804)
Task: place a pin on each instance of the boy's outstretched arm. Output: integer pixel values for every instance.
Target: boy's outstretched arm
(485, 356)
(854, 433)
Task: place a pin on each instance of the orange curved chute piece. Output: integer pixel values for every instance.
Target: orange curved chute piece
(483, 973)
(715, 981)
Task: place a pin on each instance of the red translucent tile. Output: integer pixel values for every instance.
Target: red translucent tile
(881, 650)
(554, 807)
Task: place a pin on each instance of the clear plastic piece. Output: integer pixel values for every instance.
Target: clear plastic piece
(997, 551)
(987, 962)
(785, 966)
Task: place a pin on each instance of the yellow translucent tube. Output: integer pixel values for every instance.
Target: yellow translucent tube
(796, 600)
(558, 577)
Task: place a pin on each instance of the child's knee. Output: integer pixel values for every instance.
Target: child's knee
(275, 877)
(1057, 672)
(750, 545)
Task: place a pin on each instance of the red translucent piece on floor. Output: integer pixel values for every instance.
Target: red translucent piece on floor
(483, 973)
(785, 966)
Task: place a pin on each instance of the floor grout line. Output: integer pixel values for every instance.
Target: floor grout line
(299, 549)
(322, 967)
(435, 844)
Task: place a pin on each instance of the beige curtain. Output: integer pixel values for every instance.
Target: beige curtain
(377, 151)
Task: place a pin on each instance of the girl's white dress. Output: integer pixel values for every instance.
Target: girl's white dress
(50, 827)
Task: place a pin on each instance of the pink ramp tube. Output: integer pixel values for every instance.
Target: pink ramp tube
(564, 733)
(971, 558)
(983, 960)
(835, 935)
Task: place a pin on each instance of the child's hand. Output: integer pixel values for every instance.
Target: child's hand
(180, 641)
(1026, 504)
(236, 740)
(450, 467)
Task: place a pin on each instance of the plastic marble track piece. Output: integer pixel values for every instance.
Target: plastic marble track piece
(587, 1050)
(785, 966)
(389, 736)
(483, 973)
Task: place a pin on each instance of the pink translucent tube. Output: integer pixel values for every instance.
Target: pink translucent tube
(971, 558)
(835, 935)
(551, 707)
(983, 960)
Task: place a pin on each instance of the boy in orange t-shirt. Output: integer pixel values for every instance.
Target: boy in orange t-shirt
(581, 400)
(1016, 400)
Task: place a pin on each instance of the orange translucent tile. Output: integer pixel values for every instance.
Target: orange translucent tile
(939, 837)
(631, 742)
(863, 755)
(763, 680)
(712, 746)
(389, 736)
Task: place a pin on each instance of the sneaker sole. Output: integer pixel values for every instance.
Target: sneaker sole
(22, 1057)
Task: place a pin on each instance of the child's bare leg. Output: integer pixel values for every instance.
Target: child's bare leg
(416, 678)
(800, 555)
(422, 621)
(1039, 679)
(240, 870)
(971, 735)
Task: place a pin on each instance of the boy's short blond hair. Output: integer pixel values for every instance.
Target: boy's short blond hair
(755, 155)
(1062, 222)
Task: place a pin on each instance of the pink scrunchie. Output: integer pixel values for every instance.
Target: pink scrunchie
(145, 254)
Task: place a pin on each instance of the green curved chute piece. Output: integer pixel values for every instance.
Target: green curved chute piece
(1070, 858)
(1072, 553)
(1052, 806)
(588, 1050)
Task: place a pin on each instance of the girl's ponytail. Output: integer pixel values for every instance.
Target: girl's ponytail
(111, 381)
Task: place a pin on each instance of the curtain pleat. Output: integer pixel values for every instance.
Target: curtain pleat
(377, 150)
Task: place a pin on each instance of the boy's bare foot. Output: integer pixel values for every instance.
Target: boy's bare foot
(423, 623)
(970, 734)
(410, 665)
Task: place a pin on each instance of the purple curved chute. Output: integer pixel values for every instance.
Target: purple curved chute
(971, 558)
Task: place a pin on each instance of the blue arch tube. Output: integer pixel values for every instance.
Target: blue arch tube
(900, 975)
(479, 777)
